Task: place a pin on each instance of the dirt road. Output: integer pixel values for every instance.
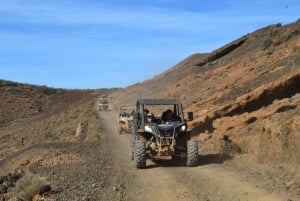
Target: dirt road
(212, 180)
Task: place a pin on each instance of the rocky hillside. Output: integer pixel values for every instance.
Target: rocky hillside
(22, 101)
(245, 95)
(42, 127)
(32, 115)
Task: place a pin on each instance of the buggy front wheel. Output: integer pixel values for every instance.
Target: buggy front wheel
(139, 154)
(192, 153)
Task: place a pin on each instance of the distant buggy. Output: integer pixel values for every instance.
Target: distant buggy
(160, 132)
(125, 119)
(103, 102)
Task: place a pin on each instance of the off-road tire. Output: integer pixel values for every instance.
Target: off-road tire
(192, 153)
(139, 154)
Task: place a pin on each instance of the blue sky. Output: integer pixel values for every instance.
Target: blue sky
(116, 43)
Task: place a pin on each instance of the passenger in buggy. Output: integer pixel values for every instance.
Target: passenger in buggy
(150, 118)
(169, 116)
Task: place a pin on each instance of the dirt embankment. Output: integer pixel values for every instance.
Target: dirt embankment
(53, 136)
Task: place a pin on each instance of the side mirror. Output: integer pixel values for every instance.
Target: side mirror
(190, 116)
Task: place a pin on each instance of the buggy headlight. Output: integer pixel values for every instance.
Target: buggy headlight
(148, 129)
(183, 128)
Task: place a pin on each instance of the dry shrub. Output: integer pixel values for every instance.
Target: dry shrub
(29, 185)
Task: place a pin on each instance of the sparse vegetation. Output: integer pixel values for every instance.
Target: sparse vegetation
(30, 185)
(266, 43)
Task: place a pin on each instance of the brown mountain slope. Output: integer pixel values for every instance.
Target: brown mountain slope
(31, 115)
(247, 92)
(20, 101)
